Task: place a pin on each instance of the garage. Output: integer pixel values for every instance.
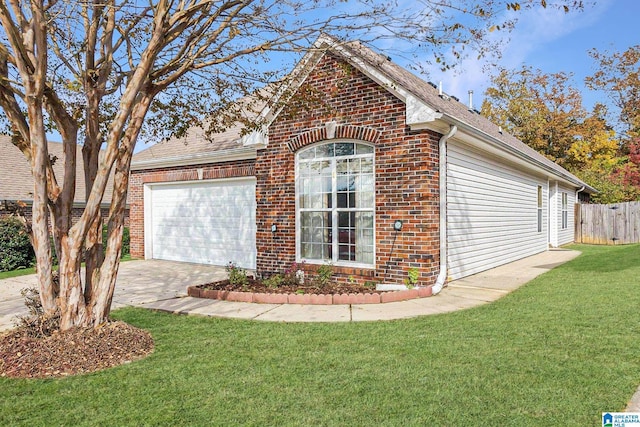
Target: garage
(205, 222)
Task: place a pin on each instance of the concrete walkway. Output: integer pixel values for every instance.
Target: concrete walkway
(161, 285)
(460, 294)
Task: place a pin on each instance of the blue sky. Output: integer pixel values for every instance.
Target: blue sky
(554, 41)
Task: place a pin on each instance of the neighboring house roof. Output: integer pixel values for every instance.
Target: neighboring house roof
(16, 181)
(195, 149)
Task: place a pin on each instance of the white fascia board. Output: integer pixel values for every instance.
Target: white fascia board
(242, 153)
(259, 139)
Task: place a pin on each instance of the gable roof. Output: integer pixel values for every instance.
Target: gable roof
(424, 101)
(16, 181)
(454, 111)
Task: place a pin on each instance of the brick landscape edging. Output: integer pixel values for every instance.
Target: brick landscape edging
(311, 299)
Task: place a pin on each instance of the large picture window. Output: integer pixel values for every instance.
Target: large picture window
(335, 203)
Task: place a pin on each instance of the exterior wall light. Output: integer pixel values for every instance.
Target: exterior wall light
(397, 225)
(274, 228)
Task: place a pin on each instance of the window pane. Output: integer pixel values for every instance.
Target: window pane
(342, 200)
(307, 154)
(539, 196)
(363, 149)
(325, 150)
(344, 149)
(366, 165)
(354, 166)
(342, 167)
(540, 220)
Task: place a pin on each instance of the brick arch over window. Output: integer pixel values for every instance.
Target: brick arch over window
(329, 132)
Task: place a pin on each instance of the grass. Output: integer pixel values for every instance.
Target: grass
(16, 273)
(32, 270)
(558, 351)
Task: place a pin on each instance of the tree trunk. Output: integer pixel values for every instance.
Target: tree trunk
(40, 210)
(72, 303)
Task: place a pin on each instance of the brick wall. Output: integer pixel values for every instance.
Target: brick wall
(174, 174)
(406, 174)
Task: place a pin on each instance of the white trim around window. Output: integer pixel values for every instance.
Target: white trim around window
(335, 203)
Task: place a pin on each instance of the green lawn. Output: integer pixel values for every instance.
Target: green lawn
(32, 270)
(557, 352)
(16, 273)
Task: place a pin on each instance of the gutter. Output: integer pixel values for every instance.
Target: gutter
(580, 190)
(442, 145)
(483, 135)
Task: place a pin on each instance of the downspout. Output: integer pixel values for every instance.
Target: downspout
(442, 146)
(578, 202)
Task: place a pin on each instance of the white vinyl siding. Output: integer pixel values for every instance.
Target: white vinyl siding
(205, 222)
(566, 235)
(492, 212)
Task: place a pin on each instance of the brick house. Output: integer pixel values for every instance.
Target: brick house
(16, 181)
(384, 173)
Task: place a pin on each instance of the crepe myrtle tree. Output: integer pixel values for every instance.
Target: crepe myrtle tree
(104, 74)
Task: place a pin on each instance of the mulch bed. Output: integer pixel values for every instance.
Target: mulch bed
(78, 351)
(257, 286)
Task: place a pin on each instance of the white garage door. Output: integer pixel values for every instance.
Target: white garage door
(492, 212)
(206, 222)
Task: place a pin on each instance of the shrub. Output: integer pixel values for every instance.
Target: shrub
(15, 247)
(412, 278)
(237, 275)
(125, 240)
(323, 275)
(36, 324)
(273, 281)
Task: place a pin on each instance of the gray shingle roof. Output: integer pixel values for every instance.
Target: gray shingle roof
(194, 143)
(16, 181)
(452, 108)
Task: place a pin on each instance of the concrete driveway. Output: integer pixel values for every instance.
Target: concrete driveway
(139, 282)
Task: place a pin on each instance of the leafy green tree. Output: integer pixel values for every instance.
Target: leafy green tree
(618, 74)
(544, 111)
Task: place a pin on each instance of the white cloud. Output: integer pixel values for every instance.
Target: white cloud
(536, 30)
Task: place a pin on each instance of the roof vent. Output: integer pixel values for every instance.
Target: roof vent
(433, 85)
(455, 97)
(500, 130)
(471, 100)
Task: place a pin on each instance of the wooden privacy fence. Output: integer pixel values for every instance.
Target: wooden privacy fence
(614, 224)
